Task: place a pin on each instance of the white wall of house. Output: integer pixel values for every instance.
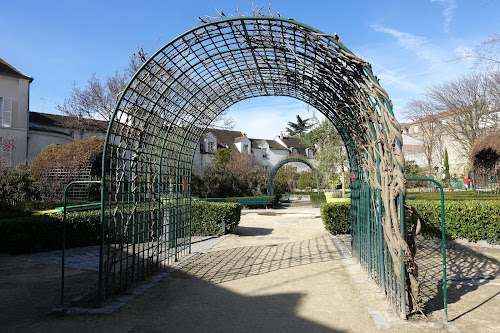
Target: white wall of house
(245, 145)
(267, 156)
(413, 150)
(14, 106)
(209, 143)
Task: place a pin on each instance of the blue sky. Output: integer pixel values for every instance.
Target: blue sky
(411, 44)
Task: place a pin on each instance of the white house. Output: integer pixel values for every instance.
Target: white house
(267, 152)
(14, 107)
(294, 146)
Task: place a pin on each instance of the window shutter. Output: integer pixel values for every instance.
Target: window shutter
(7, 112)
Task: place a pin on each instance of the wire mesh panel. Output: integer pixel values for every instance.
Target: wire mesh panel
(486, 180)
(55, 179)
(184, 86)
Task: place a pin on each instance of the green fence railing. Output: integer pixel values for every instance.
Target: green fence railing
(443, 241)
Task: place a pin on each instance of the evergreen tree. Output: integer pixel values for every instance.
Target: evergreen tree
(300, 127)
(446, 166)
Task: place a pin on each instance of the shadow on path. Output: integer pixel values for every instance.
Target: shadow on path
(237, 263)
(467, 270)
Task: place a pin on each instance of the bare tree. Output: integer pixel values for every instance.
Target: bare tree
(243, 163)
(98, 98)
(430, 129)
(469, 102)
(486, 53)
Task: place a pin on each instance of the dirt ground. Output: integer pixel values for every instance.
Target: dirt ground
(279, 272)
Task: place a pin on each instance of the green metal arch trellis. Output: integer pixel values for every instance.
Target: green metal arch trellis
(168, 104)
(272, 174)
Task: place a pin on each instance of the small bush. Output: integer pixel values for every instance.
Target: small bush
(336, 217)
(16, 185)
(317, 199)
(207, 218)
(472, 220)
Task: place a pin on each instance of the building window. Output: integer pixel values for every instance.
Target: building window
(264, 152)
(245, 149)
(5, 112)
(415, 129)
(265, 168)
(211, 147)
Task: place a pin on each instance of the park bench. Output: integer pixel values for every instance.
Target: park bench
(79, 208)
(215, 200)
(255, 201)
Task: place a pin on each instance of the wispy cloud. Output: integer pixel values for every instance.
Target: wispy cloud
(449, 7)
(408, 63)
(266, 117)
(420, 46)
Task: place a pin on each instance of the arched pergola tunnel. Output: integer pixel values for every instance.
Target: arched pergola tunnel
(184, 86)
(274, 171)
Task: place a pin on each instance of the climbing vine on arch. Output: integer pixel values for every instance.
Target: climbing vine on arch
(177, 93)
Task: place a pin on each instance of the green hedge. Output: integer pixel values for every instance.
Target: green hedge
(44, 232)
(317, 199)
(24, 234)
(336, 217)
(207, 217)
(452, 196)
(473, 220)
(275, 200)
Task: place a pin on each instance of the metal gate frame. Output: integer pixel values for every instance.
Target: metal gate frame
(274, 171)
(161, 115)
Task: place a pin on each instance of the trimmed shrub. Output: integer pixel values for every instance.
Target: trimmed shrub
(472, 220)
(44, 232)
(16, 185)
(207, 217)
(453, 196)
(317, 199)
(336, 217)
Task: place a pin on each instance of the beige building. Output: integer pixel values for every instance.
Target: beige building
(456, 131)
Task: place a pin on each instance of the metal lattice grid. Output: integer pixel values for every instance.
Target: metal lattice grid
(55, 179)
(274, 171)
(180, 90)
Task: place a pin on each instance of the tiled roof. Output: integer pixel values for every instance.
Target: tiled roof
(412, 147)
(9, 70)
(272, 144)
(225, 137)
(293, 141)
(56, 120)
(275, 145)
(229, 138)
